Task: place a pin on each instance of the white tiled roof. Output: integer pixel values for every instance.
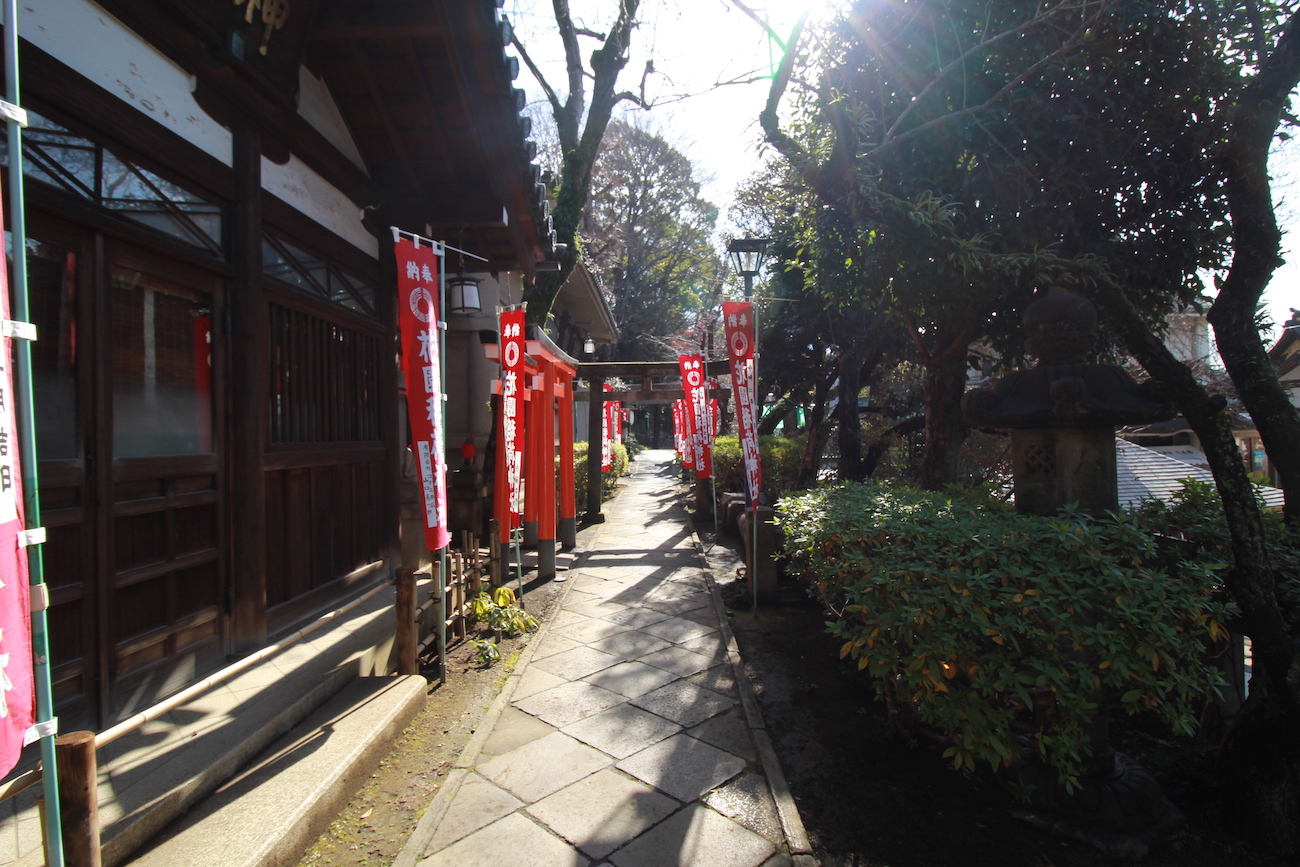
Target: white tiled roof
(1185, 454)
(1144, 474)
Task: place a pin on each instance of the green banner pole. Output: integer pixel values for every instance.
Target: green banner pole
(27, 447)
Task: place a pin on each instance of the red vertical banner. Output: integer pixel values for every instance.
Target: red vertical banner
(738, 320)
(17, 681)
(512, 407)
(697, 413)
(419, 317)
(715, 413)
(680, 437)
(607, 433)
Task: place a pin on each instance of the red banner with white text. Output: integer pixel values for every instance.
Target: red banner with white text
(418, 315)
(17, 682)
(512, 407)
(607, 433)
(697, 413)
(738, 320)
(681, 437)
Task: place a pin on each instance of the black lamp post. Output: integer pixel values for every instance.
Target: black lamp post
(747, 256)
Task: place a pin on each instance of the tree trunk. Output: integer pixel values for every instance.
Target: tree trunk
(812, 453)
(945, 362)
(945, 432)
(876, 451)
(773, 417)
(851, 358)
(1250, 580)
(1255, 243)
(1260, 793)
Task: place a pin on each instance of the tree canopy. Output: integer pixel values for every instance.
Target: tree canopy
(647, 234)
(966, 155)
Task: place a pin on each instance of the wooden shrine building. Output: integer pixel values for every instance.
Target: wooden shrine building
(209, 187)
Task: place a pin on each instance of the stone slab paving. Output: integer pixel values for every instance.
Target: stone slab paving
(628, 735)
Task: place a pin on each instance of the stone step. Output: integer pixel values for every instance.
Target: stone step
(268, 814)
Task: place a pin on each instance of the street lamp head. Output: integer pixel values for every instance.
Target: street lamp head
(747, 255)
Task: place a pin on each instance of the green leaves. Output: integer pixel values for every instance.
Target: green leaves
(1005, 630)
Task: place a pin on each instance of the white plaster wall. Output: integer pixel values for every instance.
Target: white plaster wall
(299, 186)
(97, 45)
(317, 107)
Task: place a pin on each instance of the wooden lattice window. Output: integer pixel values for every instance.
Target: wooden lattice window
(87, 169)
(290, 264)
(324, 380)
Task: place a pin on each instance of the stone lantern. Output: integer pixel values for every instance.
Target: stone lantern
(1063, 412)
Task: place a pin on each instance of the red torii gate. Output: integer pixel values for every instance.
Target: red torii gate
(548, 396)
(550, 374)
(595, 373)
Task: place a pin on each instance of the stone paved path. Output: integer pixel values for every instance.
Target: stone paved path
(628, 734)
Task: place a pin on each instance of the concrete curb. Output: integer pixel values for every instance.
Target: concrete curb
(269, 813)
(413, 851)
(795, 833)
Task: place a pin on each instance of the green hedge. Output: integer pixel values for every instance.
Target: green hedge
(1000, 630)
(608, 477)
(780, 457)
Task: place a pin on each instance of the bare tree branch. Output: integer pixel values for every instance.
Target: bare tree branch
(569, 117)
(551, 96)
(771, 34)
(634, 98)
(771, 124)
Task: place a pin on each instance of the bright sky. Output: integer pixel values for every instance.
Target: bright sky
(694, 44)
(697, 43)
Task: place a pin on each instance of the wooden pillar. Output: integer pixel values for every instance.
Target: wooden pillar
(249, 361)
(406, 638)
(595, 414)
(501, 484)
(532, 469)
(79, 798)
(546, 511)
(568, 528)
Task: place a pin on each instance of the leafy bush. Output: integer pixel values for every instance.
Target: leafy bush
(497, 610)
(1002, 631)
(780, 457)
(608, 477)
(1195, 514)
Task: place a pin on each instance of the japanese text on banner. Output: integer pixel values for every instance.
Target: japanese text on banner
(697, 409)
(419, 316)
(607, 432)
(738, 322)
(513, 371)
(17, 683)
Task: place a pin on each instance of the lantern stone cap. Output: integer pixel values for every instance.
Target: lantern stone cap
(1064, 389)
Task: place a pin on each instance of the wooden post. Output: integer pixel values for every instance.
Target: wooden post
(79, 798)
(248, 341)
(568, 528)
(406, 627)
(546, 511)
(457, 566)
(534, 477)
(496, 576)
(595, 421)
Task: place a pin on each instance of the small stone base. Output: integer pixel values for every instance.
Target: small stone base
(1121, 814)
(1127, 846)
